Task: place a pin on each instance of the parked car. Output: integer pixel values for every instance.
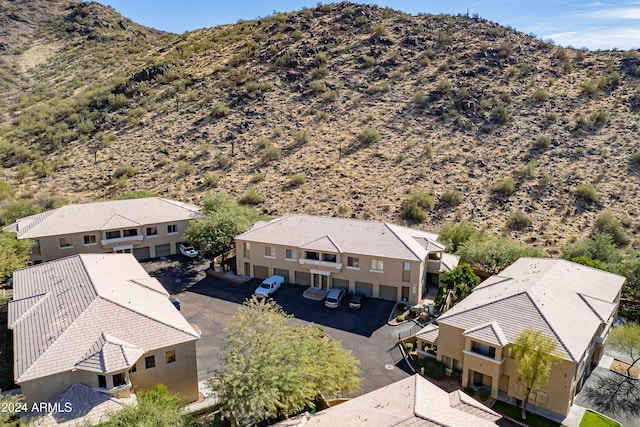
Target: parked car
(334, 298)
(356, 301)
(269, 286)
(175, 302)
(188, 251)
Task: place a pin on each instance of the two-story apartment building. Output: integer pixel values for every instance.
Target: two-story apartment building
(375, 258)
(98, 320)
(572, 304)
(147, 228)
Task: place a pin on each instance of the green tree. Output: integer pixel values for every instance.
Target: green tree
(535, 353)
(461, 280)
(155, 408)
(14, 254)
(454, 235)
(224, 219)
(12, 209)
(10, 418)
(599, 247)
(627, 339)
(493, 253)
(272, 368)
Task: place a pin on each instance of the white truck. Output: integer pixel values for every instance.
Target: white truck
(269, 286)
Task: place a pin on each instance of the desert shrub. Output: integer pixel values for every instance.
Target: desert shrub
(124, 171)
(297, 35)
(589, 262)
(301, 136)
(451, 198)
(219, 110)
(378, 88)
(540, 95)
(599, 117)
(420, 97)
(444, 85)
(493, 253)
(360, 20)
(456, 234)
(525, 171)
(379, 30)
(320, 72)
(296, 180)
(607, 223)
(551, 116)
(369, 61)
(251, 197)
(136, 194)
(545, 180)
(368, 136)
(317, 87)
(320, 58)
(500, 114)
(184, 168)
(635, 158)
(211, 179)
(257, 177)
(504, 186)
(433, 368)
(518, 220)
(416, 205)
(222, 161)
(542, 142)
(586, 192)
(270, 153)
(599, 246)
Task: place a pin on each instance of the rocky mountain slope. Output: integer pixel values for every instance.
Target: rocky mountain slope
(339, 110)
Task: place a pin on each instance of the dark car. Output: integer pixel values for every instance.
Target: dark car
(356, 301)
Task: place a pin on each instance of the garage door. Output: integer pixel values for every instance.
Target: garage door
(303, 278)
(388, 292)
(260, 271)
(364, 288)
(142, 253)
(282, 272)
(340, 284)
(163, 250)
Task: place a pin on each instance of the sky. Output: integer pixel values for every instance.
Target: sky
(613, 24)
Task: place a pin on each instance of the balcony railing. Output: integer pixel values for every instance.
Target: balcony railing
(433, 265)
(118, 240)
(317, 262)
(483, 356)
(123, 390)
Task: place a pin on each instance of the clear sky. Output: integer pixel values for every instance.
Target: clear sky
(591, 24)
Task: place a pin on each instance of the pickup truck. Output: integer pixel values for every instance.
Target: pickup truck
(269, 286)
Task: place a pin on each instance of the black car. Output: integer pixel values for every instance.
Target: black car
(356, 301)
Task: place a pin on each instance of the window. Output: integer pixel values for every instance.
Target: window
(377, 265)
(134, 368)
(118, 380)
(35, 247)
(483, 349)
(353, 262)
(269, 252)
(406, 271)
(247, 249)
(113, 234)
(329, 257)
(130, 232)
(102, 381)
(170, 356)
(89, 239)
(172, 229)
(291, 254)
(65, 242)
(446, 360)
(150, 362)
(312, 255)
(152, 231)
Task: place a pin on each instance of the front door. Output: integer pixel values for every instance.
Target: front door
(247, 269)
(477, 378)
(320, 281)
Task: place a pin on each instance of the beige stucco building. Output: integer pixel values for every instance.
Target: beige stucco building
(98, 320)
(378, 259)
(147, 228)
(572, 304)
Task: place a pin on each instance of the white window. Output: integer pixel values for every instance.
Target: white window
(152, 231)
(65, 242)
(172, 229)
(291, 254)
(89, 239)
(353, 262)
(269, 252)
(406, 271)
(377, 265)
(113, 234)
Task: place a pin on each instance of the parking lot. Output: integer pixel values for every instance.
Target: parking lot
(208, 301)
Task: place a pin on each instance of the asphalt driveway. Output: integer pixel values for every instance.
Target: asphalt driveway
(209, 301)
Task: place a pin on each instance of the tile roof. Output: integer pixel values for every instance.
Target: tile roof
(113, 214)
(411, 402)
(489, 332)
(343, 235)
(429, 333)
(78, 312)
(88, 407)
(564, 300)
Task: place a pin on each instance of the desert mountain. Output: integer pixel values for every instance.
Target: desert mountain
(339, 110)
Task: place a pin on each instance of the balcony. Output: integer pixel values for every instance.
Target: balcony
(120, 391)
(120, 240)
(318, 263)
(483, 357)
(434, 265)
(602, 337)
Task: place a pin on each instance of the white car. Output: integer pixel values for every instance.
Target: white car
(269, 286)
(188, 251)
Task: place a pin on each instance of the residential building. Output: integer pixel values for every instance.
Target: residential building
(375, 258)
(413, 401)
(99, 320)
(148, 227)
(570, 303)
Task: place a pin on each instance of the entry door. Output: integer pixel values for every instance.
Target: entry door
(320, 281)
(477, 378)
(324, 282)
(247, 269)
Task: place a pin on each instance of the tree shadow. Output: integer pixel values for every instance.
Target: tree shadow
(615, 396)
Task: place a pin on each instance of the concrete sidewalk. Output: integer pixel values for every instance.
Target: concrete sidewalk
(210, 401)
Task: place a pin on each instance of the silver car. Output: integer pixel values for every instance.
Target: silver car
(334, 298)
